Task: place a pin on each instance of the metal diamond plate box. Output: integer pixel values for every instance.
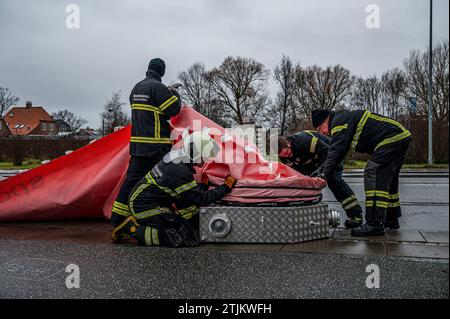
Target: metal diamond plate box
(266, 224)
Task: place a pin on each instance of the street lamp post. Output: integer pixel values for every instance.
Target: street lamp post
(430, 90)
(110, 121)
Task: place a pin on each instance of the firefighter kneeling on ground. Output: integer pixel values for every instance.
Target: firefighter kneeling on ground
(306, 152)
(387, 142)
(165, 203)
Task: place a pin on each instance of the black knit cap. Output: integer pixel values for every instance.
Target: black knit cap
(318, 116)
(158, 65)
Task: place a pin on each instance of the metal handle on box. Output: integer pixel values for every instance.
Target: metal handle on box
(314, 223)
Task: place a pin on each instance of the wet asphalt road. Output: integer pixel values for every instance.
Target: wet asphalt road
(136, 272)
(36, 269)
(425, 202)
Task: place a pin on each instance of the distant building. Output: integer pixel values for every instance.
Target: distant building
(30, 120)
(87, 133)
(4, 130)
(62, 126)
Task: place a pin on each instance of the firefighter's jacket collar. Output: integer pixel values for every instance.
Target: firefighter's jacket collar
(153, 74)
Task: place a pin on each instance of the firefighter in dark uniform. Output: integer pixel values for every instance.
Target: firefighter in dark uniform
(165, 203)
(152, 105)
(306, 152)
(387, 141)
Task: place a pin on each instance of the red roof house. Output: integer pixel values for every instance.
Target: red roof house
(30, 120)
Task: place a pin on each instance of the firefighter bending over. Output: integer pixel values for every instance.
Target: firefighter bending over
(165, 203)
(387, 142)
(306, 152)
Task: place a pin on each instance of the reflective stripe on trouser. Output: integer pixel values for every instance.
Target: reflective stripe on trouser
(159, 225)
(121, 209)
(394, 200)
(350, 202)
(189, 212)
(381, 179)
(344, 194)
(391, 202)
(151, 236)
(146, 214)
(167, 229)
(394, 210)
(137, 168)
(377, 179)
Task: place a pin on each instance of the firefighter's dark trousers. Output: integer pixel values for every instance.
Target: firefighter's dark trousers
(340, 189)
(162, 226)
(381, 182)
(344, 194)
(138, 167)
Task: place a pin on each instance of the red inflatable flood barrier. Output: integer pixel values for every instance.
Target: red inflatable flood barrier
(84, 183)
(77, 185)
(260, 181)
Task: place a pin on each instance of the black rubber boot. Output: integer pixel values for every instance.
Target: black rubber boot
(369, 230)
(127, 229)
(392, 224)
(189, 235)
(354, 222)
(179, 233)
(170, 238)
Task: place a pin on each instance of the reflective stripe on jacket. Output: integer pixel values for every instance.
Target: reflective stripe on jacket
(171, 183)
(309, 147)
(363, 132)
(152, 106)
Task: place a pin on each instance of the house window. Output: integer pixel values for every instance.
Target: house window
(50, 127)
(44, 127)
(1, 126)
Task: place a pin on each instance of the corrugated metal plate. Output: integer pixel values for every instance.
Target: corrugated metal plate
(264, 224)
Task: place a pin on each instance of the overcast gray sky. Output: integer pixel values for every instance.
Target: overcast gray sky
(78, 69)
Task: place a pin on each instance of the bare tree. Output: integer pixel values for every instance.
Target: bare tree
(239, 85)
(280, 113)
(328, 88)
(301, 105)
(195, 86)
(75, 122)
(366, 94)
(197, 91)
(114, 114)
(7, 99)
(416, 66)
(394, 100)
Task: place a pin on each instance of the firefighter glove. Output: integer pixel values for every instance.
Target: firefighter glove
(230, 182)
